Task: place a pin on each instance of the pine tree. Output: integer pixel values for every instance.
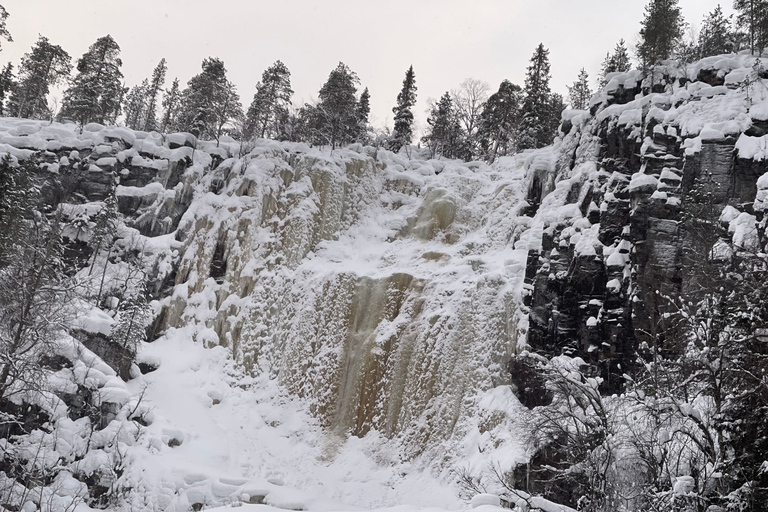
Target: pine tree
(269, 107)
(153, 89)
(715, 37)
(171, 107)
(210, 102)
(753, 18)
(618, 62)
(499, 121)
(96, 93)
(6, 86)
(535, 126)
(660, 31)
(43, 67)
(4, 34)
(406, 100)
(363, 111)
(136, 106)
(337, 108)
(580, 93)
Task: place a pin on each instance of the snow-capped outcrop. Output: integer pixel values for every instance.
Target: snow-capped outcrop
(616, 238)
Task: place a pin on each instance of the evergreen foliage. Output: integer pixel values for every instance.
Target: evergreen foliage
(499, 121)
(539, 105)
(444, 136)
(210, 102)
(580, 93)
(660, 32)
(133, 317)
(269, 108)
(136, 106)
(6, 86)
(363, 111)
(154, 87)
(752, 17)
(171, 107)
(715, 37)
(4, 34)
(617, 62)
(406, 100)
(43, 67)
(336, 116)
(96, 92)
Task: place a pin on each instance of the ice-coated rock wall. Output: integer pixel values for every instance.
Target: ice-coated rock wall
(382, 290)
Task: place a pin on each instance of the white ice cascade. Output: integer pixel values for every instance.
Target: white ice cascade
(380, 289)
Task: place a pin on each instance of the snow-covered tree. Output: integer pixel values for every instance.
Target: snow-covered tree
(752, 17)
(171, 107)
(497, 131)
(618, 61)
(580, 93)
(337, 108)
(6, 86)
(96, 93)
(536, 123)
(135, 107)
(270, 104)
(716, 36)
(154, 87)
(35, 292)
(363, 111)
(43, 67)
(210, 102)
(4, 34)
(660, 32)
(444, 135)
(133, 317)
(468, 101)
(402, 134)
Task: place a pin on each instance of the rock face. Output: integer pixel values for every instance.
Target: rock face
(634, 179)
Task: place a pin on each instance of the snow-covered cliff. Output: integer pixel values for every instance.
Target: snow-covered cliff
(331, 320)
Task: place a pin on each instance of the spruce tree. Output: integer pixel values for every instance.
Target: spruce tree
(43, 67)
(337, 107)
(752, 16)
(269, 107)
(406, 100)
(715, 37)
(444, 136)
(499, 121)
(96, 93)
(363, 111)
(618, 62)
(660, 31)
(153, 89)
(535, 126)
(580, 93)
(6, 86)
(171, 106)
(210, 102)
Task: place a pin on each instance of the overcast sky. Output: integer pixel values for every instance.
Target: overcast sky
(445, 40)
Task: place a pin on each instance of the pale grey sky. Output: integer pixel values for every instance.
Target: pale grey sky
(445, 40)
